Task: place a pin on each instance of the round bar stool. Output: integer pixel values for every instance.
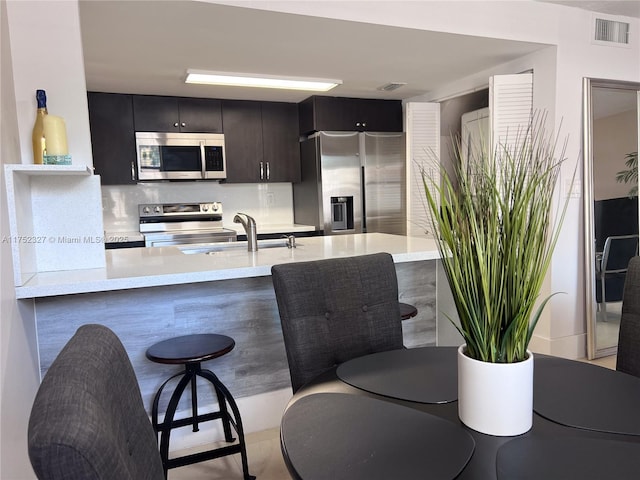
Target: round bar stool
(407, 311)
(190, 351)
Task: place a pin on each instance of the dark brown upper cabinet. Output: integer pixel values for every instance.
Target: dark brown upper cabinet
(281, 142)
(176, 114)
(320, 113)
(113, 139)
(261, 141)
(261, 138)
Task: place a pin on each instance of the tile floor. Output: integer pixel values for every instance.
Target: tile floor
(263, 452)
(265, 457)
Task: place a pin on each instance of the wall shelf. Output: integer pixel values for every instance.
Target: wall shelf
(47, 169)
(55, 219)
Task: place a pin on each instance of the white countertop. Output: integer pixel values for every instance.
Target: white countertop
(149, 267)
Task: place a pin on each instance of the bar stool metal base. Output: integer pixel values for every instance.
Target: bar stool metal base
(229, 419)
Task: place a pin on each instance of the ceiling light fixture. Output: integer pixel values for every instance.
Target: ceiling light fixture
(260, 81)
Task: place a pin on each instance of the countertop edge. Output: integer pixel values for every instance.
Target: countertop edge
(139, 282)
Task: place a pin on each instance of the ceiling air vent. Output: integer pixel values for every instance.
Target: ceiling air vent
(612, 31)
(391, 86)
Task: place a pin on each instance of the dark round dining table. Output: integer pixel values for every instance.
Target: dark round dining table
(394, 415)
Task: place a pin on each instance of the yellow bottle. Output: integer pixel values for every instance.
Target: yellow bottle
(37, 136)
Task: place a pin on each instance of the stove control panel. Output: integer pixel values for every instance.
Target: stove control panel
(215, 207)
(181, 209)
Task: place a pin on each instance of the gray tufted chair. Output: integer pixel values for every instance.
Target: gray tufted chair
(335, 310)
(628, 360)
(88, 421)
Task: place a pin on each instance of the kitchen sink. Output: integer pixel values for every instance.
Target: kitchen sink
(213, 248)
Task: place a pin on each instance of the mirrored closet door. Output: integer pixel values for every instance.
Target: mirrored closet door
(611, 124)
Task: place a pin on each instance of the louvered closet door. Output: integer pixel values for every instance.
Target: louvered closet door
(510, 112)
(510, 107)
(423, 152)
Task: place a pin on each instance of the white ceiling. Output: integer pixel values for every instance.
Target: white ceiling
(627, 8)
(147, 46)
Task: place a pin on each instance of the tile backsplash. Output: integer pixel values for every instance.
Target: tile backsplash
(268, 203)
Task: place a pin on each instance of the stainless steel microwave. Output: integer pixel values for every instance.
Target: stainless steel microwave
(180, 156)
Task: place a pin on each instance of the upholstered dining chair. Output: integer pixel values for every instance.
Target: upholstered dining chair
(628, 359)
(88, 421)
(336, 309)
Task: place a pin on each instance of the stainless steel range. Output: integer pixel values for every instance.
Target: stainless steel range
(166, 224)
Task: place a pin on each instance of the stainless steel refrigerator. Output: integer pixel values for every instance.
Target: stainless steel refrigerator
(352, 182)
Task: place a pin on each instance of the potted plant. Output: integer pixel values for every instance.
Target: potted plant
(492, 223)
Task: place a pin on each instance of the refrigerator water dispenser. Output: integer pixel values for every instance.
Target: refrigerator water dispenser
(341, 213)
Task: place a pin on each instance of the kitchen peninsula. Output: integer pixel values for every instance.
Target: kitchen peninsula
(149, 294)
(152, 267)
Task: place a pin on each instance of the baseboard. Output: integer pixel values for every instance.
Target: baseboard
(572, 347)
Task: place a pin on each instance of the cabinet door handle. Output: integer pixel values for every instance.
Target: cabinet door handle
(268, 173)
(183, 124)
(133, 171)
(261, 170)
(357, 124)
(364, 124)
(175, 124)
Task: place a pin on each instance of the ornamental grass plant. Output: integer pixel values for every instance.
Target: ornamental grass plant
(492, 222)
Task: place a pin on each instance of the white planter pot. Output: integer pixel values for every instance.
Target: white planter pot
(495, 398)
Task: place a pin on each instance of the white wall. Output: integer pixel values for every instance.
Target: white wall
(19, 372)
(46, 42)
(41, 49)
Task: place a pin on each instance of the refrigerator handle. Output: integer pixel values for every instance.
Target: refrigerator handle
(364, 201)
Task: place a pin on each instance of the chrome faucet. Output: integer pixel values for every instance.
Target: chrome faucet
(249, 225)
